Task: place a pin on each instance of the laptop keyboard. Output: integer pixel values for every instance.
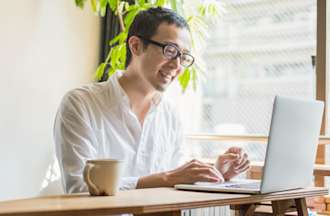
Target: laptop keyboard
(250, 185)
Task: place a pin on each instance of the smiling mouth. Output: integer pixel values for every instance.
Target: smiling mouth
(165, 76)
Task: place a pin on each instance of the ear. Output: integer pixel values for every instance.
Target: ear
(135, 45)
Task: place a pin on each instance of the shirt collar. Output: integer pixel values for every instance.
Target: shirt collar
(121, 96)
(119, 92)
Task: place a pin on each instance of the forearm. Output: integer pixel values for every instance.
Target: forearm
(155, 180)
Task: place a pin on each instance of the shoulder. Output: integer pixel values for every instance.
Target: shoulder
(87, 95)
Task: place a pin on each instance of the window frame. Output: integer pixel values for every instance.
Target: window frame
(321, 82)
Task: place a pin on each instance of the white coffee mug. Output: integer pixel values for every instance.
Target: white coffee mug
(102, 176)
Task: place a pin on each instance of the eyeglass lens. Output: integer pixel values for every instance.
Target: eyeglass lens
(171, 52)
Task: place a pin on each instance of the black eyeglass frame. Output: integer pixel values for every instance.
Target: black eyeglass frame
(163, 45)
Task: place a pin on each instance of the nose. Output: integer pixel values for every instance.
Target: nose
(175, 63)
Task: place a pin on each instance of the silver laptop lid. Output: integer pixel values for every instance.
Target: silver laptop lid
(292, 144)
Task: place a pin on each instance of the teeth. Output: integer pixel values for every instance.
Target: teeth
(166, 76)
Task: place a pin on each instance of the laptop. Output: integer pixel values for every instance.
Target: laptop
(291, 151)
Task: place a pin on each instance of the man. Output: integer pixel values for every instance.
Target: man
(128, 118)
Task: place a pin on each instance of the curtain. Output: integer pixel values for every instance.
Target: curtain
(109, 29)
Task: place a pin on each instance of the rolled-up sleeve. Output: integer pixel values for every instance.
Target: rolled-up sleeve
(128, 183)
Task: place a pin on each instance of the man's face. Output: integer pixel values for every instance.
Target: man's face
(156, 69)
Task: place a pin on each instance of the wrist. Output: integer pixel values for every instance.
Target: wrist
(163, 179)
(168, 179)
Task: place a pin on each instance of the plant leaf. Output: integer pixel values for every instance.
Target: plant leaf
(122, 57)
(130, 17)
(132, 7)
(114, 56)
(126, 6)
(111, 71)
(184, 79)
(80, 3)
(202, 10)
(141, 2)
(113, 4)
(93, 4)
(160, 3)
(119, 38)
(99, 71)
(103, 7)
(173, 5)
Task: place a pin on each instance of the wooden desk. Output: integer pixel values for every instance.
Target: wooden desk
(160, 201)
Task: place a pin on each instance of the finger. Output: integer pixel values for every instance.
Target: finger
(234, 171)
(207, 178)
(242, 160)
(228, 157)
(217, 171)
(194, 163)
(242, 170)
(208, 171)
(244, 167)
(230, 174)
(239, 166)
(201, 164)
(244, 157)
(191, 162)
(235, 150)
(211, 171)
(200, 175)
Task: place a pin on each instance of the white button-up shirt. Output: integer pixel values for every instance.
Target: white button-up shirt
(96, 121)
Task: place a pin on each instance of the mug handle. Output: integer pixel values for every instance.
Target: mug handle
(87, 178)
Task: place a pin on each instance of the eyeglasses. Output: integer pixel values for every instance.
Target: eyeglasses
(171, 51)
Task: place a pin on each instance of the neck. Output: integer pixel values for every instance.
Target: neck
(138, 92)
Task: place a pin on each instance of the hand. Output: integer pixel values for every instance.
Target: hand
(233, 162)
(194, 171)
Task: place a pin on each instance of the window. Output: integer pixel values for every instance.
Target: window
(259, 49)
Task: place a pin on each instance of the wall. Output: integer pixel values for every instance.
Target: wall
(46, 48)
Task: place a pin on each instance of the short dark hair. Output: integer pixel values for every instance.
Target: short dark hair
(146, 23)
